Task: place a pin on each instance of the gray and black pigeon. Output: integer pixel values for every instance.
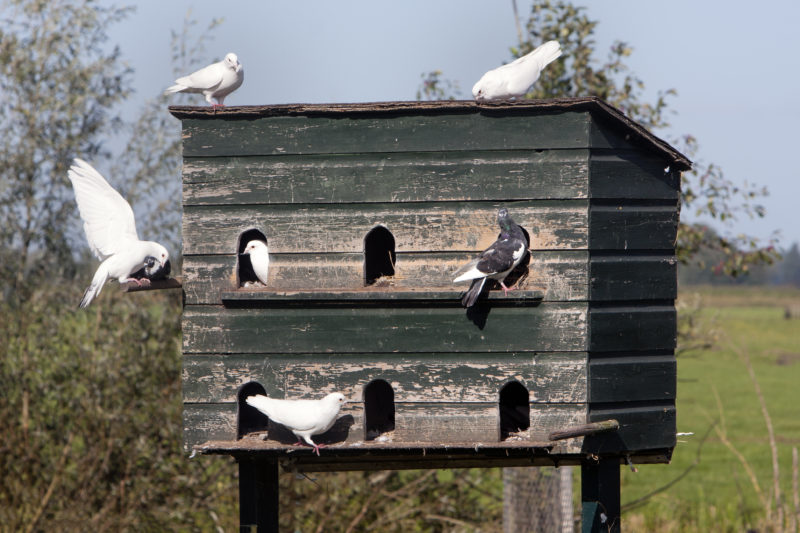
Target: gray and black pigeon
(496, 262)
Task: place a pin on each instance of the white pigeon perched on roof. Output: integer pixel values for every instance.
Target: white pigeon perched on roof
(217, 80)
(111, 231)
(496, 262)
(514, 79)
(259, 258)
(303, 417)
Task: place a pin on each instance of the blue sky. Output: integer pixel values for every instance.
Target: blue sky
(734, 65)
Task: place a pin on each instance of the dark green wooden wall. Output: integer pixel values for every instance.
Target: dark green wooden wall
(590, 188)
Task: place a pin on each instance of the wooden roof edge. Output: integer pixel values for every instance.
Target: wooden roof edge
(589, 103)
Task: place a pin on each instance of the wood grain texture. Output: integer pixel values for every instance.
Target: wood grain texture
(283, 135)
(435, 377)
(563, 275)
(632, 328)
(633, 227)
(393, 177)
(633, 277)
(632, 175)
(426, 227)
(549, 327)
(632, 378)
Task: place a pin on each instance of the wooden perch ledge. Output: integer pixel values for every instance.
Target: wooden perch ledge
(168, 283)
(587, 429)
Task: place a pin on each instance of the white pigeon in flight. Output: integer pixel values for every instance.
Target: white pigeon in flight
(259, 258)
(217, 80)
(304, 418)
(111, 231)
(514, 79)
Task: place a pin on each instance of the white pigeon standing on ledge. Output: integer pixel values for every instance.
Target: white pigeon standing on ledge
(111, 231)
(304, 418)
(217, 80)
(514, 79)
(259, 258)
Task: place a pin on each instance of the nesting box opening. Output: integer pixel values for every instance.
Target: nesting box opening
(245, 275)
(378, 408)
(379, 254)
(515, 409)
(249, 419)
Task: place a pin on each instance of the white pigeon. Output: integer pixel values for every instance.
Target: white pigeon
(217, 80)
(303, 417)
(514, 79)
(111, 231)
(259, 258)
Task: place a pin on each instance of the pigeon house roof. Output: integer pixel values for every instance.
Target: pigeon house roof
(368, 210)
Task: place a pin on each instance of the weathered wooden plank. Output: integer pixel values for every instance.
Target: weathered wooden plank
(633, 277)
(436, 377)
(208, 421)
(633, 227)
(427, 227)
(563, 275)
(399, 177)
(632, 328)
(604, 134)
(345, 134)
(371, 296)
(546, 418)
(631, 174)
(548, 327)
(417, 423)
(632, 378)
(643, 427)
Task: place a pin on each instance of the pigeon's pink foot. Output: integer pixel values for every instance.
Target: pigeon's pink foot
(317, 447)
(506, 289)
(139, 282)
(299, 443)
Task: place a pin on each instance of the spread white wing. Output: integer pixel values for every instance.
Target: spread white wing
(107, 218)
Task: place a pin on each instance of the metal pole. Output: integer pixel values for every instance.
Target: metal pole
(600, 496)
(258, 496)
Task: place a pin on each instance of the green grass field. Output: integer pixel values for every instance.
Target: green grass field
(719, 494)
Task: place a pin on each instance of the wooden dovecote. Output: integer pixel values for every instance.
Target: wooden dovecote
(368, 209)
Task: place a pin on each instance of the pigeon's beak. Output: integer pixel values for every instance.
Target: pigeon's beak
(238, 66)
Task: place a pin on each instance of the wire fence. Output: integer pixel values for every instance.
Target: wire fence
(537, 500)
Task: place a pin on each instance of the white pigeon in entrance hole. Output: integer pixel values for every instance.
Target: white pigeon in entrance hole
(304, 418)
(217, 80)
(514, 79)
(111, 231)
(259, 258)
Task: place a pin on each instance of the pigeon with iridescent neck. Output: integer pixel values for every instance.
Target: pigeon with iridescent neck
(496, 262)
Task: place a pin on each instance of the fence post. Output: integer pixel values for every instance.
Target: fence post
(258, 496)
(600, 496)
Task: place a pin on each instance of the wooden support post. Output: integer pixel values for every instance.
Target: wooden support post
(258, 496)
(600, 496)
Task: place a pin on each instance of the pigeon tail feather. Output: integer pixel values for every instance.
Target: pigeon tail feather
(175, 89)
(471, 296)
(549, 52)
(93, 291)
